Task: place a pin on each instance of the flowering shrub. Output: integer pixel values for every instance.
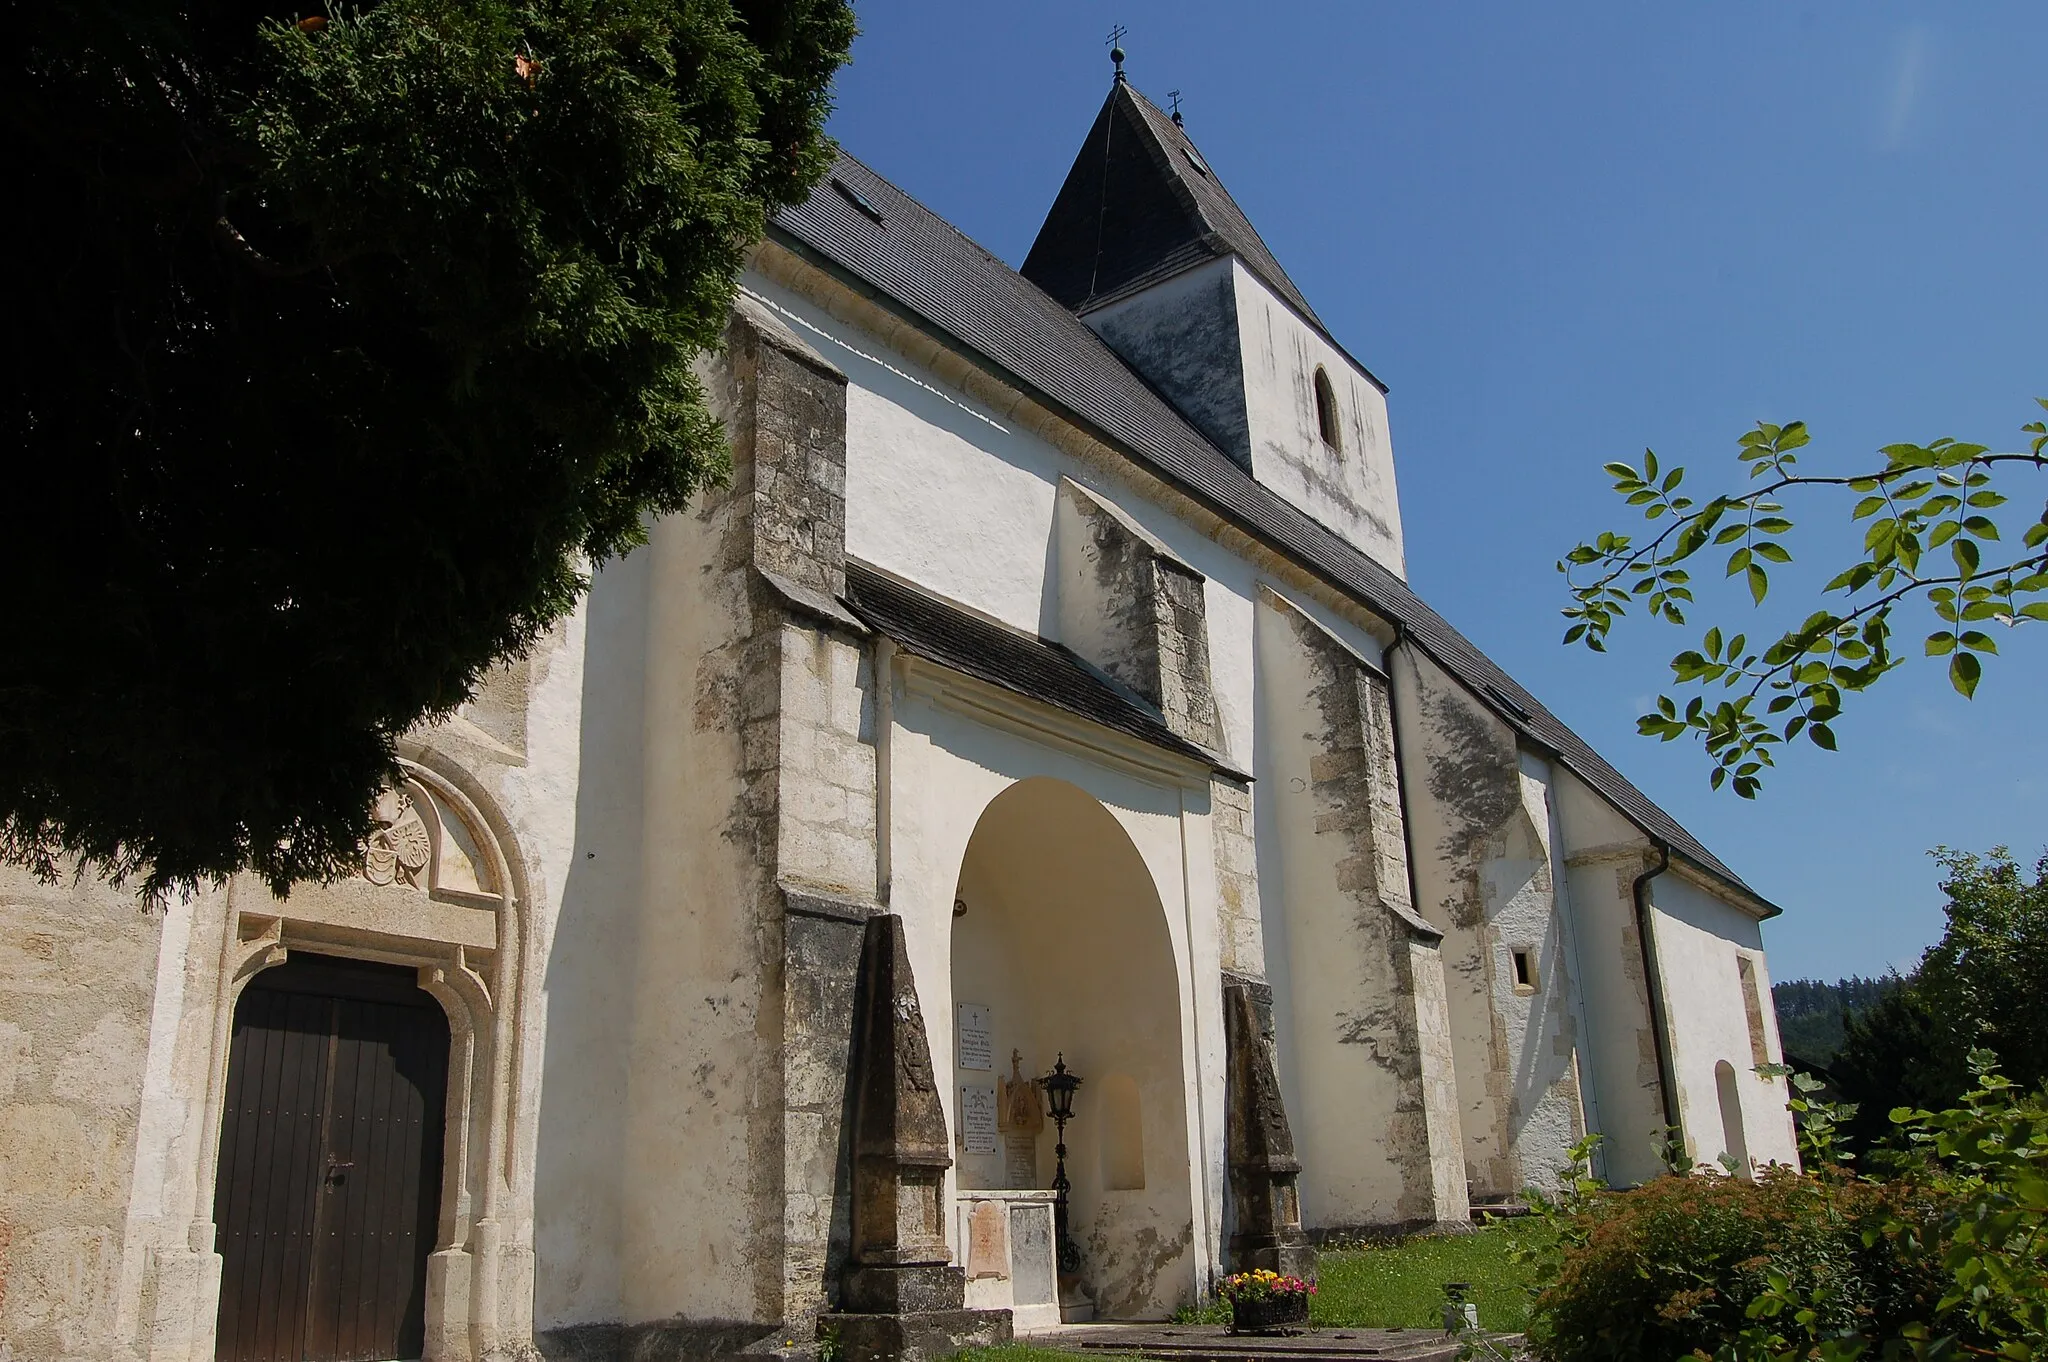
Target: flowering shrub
(1244, 1288)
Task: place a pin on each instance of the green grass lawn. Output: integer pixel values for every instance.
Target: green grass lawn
(1389, 1286)
(1402, 1285)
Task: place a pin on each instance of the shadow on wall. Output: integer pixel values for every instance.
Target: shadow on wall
(577, 1183)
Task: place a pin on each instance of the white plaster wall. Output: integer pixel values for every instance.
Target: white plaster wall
(588, 738)
(1352, 490)
(947, 493)
(1182, 334)
(1698, 937)
(946, 767)
(1602, 854)
(1541, 1026)
(1463, 789)
(1352, 1101)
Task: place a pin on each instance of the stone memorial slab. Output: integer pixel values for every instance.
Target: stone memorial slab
(976, 1038)
(978, 1118)
(1020, 1160)
(1031, 1265)
(988, 1241)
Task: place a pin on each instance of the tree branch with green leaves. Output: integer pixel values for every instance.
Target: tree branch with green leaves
(1932, 540)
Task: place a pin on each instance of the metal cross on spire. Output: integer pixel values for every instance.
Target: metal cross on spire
(1116, 49)
(1174, 95)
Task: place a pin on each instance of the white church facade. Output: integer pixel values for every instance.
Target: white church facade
(1048, 667)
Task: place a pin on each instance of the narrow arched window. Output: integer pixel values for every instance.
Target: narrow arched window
(1326, 411)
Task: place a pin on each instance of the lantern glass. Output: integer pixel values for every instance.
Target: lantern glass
(1059, 1088)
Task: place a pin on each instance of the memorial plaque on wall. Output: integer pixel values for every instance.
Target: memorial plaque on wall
(978, 1118)
(1020, 1160)
(977, 1041)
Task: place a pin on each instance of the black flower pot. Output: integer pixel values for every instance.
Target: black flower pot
(1288, 1311)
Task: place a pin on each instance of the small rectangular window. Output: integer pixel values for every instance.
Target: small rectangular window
(1525, 971)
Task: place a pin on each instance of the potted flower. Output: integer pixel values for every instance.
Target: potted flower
(1262, 1301)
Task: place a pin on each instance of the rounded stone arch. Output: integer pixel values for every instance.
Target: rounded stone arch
(442, 889)
(1059, 929)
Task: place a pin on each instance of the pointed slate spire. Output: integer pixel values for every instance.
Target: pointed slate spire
(1139, 206)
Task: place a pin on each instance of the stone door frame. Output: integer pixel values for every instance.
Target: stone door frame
(479, 1280)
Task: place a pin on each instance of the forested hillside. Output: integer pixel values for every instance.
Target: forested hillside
(1811, 1012)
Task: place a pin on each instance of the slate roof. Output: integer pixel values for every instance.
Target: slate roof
(916, 264)
(1141, 205)
(1024, 663)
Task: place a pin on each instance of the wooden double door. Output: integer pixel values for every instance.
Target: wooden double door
(330, 1164)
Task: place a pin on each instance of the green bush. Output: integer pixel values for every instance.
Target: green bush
(1941, 1251)
(1675, 1266)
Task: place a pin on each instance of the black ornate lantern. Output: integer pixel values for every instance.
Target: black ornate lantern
(1059, 1086)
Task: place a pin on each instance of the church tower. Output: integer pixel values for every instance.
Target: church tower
(1148, 248)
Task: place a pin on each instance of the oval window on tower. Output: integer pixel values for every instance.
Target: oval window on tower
(1326, 411)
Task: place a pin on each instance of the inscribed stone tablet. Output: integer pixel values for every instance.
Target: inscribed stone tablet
(977, 1042)
(1020, 1160)
(988, 1241)
(1032, 1273)
(978, 1118)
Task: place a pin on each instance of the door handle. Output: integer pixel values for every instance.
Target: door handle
(337, 1170)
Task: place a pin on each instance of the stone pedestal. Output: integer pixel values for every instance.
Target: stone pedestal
(1260, 1146)
(901, 1296)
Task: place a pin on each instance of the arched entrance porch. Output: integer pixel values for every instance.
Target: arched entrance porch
(1061, 940)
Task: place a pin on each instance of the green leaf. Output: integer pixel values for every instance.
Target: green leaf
(1965, 552)
(1963, 671)
(1649, 465)
(1823, 737)
(1738, 560)
(1773, 551)
(1978, 641)
(1759, 584)
(1869, 506)
(1673, 478)
(1622, 470)
(1941, 644)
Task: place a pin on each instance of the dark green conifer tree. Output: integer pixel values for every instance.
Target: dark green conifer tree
(339, 345)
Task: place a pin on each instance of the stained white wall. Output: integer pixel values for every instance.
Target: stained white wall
(1351, 490)
(960, 499)
(1698, 936)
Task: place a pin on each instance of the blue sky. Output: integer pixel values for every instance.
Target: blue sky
(1561, 233)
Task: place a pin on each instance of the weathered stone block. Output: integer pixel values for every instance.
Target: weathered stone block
(926, 1337)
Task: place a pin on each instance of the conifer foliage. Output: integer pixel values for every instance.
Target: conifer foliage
(339, 345)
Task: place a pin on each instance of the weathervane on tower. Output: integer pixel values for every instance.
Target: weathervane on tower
(1116, 49)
